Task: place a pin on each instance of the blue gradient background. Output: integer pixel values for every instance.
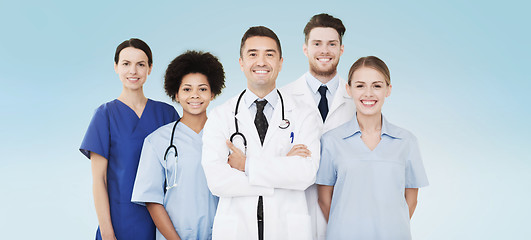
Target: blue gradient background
(460, 84)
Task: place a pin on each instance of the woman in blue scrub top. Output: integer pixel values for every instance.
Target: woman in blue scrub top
(370, 169)
(113, 142)
(172, 183)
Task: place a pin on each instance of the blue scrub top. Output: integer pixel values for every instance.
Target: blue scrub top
(190, 205)
(368, 200)
(117, 134)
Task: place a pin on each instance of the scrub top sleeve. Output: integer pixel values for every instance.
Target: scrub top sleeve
(97, 138)
(150, 177)
(327, 173)
(415, 173)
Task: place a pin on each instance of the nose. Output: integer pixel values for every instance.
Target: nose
(195, 93)
(324, 48)
(132, 69)
(369, 92)
(260, 61)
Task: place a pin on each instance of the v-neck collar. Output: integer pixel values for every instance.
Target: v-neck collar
(133, 111)
(190, 131)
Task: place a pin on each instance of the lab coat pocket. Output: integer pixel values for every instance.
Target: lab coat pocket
(283, 143)
(225, 227)
(299, 226)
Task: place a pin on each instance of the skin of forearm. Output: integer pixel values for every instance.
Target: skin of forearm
(411, 195)
(101, 196)
(325, 199)
(162, 221)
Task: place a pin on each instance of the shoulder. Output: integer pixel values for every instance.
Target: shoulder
(104, 109)
(337, 133)
(162, 105)
(162, 133)
(290, 87)
(400, 132)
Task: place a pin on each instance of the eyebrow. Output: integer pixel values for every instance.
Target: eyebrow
(318, 40)
(267, 50)
(200, 85)
(371, 83)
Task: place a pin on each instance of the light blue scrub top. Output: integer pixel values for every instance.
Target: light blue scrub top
(190, 205)
(368, 200)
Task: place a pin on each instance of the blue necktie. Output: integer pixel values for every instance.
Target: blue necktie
(323, 104)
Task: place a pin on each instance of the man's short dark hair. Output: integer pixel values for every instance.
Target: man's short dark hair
(326, 21)
(260, 31)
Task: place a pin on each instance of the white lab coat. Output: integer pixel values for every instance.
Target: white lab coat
(341, 111)
(281, 180)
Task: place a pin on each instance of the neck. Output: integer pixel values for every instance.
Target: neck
(194, 122)
(134, 98)
(261, 92)
(323, 78)
(370, 123)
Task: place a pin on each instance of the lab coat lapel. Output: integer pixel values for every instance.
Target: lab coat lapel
(246, 124)
(340, 98)
(302, 93)
(276, 119)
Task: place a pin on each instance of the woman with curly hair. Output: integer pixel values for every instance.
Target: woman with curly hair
(170, 180)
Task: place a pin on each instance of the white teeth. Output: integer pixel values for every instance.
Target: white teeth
(195, 104)
(368, 102)
(260, 71)
(133, 79)
(324, 59)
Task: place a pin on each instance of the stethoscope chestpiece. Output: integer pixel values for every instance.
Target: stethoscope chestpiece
(284, 124)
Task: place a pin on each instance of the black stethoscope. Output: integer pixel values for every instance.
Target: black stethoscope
(283, 125)
(168, 187)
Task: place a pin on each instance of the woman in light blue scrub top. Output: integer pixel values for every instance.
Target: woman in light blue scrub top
(172, 183)
(370, 169)
(113, 142)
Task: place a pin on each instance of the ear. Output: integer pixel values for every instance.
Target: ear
(212, 97)
(305, 49)
(342, 48)
(280, 66)
(348, 89)
(241, 63)
(150, 68)
(115, 68)
(389, 90)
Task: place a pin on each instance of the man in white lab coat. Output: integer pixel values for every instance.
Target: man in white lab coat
(261, 151)
(323, 91)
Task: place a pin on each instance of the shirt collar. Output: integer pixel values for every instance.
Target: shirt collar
(250, 97)
(388, 129)
(314, 83)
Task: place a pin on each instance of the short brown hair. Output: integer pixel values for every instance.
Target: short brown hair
(371, 62)
(326, 21)
(260, 31)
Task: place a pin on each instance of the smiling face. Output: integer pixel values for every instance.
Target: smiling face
(132, 68)
(194, 94)
(261, 63)
(368, 89)
(323, 50)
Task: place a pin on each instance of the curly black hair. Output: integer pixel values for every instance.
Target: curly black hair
(194, 62)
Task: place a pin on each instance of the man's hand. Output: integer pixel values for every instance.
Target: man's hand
(236, 158)
(299, 150)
